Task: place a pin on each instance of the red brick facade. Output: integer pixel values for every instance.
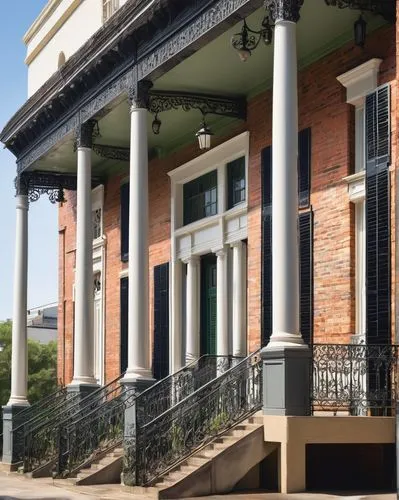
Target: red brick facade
(322, 107)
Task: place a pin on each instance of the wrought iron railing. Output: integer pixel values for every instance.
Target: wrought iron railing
(102, 428)
(94, 433)
(172, 389)
(41, 438)
(152, 448)
(356, 379)
(45, 404)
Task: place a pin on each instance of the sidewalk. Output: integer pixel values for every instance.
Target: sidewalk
(16, 487)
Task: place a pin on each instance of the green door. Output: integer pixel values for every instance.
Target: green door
(208, 305)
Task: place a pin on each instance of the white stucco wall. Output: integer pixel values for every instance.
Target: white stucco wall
(77, 29)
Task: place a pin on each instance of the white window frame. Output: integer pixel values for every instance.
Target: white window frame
(359, 82)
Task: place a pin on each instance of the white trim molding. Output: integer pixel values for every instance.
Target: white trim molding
(356, 186)
(360, 81)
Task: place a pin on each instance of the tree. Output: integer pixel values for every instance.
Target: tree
(42, 367)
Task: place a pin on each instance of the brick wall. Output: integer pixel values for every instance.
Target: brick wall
(322, 107)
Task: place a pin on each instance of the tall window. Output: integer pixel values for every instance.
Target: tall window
(97, 211)
(109, 8)
(236, 182)
(200, 197)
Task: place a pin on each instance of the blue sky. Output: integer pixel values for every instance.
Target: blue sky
(15, 19)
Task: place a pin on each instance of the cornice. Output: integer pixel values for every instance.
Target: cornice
(40, 20)
(52, 31)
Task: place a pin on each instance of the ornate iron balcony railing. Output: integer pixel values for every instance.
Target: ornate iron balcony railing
(153, 446)
(356, 379)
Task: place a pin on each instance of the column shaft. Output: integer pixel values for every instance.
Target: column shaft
(192, 310)
(222, 342)
(285, 188)
(239, 300)
(138, 345)
(84, 296)
(19, 359)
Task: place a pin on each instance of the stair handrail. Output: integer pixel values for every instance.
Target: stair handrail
(78, 446)
(40, 436)
(194, 421)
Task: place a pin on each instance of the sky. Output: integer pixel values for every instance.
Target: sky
(15, 19)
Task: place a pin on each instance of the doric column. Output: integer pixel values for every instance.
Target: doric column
(19, 361)
(138, 370)
(285, 246)
(84, 291)
(222, 340)
(193, 309)
(286, 360)
(239, 300)
(19, 357)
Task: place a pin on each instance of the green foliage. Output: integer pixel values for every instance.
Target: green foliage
(218, 423)
(42, 365)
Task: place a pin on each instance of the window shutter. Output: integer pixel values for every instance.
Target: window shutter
(378, 320)
(125, 222)
(267, 312)
(161, 322)
(304, 169)
(305, 222)
(124, 307)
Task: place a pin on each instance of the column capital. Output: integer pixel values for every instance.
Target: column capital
(284, 10)
(21, 185)
(220, 252)
(138, 95)
(237, 244)
(85, 134)
(193, 259)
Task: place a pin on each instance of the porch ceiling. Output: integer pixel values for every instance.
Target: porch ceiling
(215, 69)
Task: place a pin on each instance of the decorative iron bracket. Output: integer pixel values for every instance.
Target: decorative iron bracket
(36, 183)
(112, 152)
(162, 100)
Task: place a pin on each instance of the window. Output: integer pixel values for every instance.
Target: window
(236, 182)
(97, 212)
(200, 197)
(109, 8)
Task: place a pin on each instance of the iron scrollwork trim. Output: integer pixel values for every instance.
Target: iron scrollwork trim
(112, 152)
(385, 8)
(206, 103)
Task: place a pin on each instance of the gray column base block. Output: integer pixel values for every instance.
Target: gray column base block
(12, 447)
(82, 389)
(129, 435)
(286, 380)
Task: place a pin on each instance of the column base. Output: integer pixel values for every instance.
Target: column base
(82, 389)
(286, 380)
(13, 444)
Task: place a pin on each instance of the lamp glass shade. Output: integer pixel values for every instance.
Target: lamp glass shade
(204, 136)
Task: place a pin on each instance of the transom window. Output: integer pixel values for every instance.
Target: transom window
(109, 8)
(236, 182)
(200, 197)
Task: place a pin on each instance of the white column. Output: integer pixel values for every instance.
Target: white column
(176, 316)
(222, 332)
(138, 328)
(239, 300)
(19, 359)
(285, 188)
(84, 286)
(193, 309)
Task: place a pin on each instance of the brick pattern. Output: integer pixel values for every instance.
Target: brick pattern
(322, 107)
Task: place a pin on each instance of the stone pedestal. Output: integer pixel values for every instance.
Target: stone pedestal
(82, 389)
(13, 444)
(286, 380)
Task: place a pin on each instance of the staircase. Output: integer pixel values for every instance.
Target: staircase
(217, 467)
(103, 469)
(175, 453)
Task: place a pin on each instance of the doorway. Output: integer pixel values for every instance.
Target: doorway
(208, 304)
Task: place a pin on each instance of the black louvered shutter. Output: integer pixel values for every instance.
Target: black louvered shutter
(378, 322)
(304, 170)
(125, 222)
(160, 357)
(267, 312)
(124, 306)
(305, 223)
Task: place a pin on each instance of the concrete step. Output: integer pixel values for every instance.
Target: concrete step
(195, 460)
